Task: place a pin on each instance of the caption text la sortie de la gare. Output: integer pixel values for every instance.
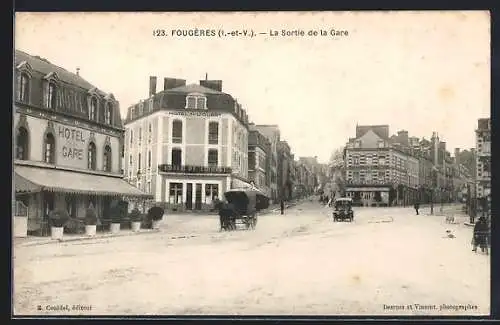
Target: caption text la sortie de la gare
(196, 32)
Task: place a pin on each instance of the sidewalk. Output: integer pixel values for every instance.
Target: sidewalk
(35, 241)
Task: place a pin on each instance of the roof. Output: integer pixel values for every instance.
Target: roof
(380, 130)
(193, 88)
(34, 179)
(45, 67)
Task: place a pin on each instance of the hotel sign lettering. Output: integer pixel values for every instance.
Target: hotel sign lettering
(73, 142)
(195, 113)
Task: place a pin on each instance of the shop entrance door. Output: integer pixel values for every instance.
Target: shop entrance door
(189, 196)
(197, 198)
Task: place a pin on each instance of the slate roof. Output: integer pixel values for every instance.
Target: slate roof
(45, 67)
(381, 130)
(193, 88)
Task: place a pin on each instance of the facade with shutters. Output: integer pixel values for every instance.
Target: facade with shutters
(186, 144)
(68, 143)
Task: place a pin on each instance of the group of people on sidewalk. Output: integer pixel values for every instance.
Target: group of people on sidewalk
(481, 233)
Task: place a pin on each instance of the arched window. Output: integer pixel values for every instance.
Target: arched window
(108, 114)
(93, 109)
(22, 142)
(177, 131)
(24, 88)
(49, 148)
(107, 158)
(52, 95)
(91, 156)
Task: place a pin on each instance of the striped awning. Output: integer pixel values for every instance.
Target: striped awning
(34, 179)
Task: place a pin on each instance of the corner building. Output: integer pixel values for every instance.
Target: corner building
(68, 143)
(187, 144)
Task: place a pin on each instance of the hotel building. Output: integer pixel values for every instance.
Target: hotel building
(68, 139)
(187, 144)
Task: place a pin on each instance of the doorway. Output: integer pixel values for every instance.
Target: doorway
(197, 198)
(189, 196)
(48, 203)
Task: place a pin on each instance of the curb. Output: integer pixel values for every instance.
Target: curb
(52, 241)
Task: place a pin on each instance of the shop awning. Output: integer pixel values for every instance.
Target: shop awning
(33, 179)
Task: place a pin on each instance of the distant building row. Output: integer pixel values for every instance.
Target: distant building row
(399, 170)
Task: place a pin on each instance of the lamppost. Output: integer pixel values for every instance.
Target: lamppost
(433, 187)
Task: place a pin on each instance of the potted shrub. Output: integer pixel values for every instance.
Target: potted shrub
(155, 214)
(135, 219)
(90, 221)
(58, 219)
(116, 219)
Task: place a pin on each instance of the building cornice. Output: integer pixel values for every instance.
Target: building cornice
(65, 118)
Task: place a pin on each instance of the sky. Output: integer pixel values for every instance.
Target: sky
(422, 72)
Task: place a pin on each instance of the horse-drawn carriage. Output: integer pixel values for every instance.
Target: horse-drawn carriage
(343, 209)
(242, 207)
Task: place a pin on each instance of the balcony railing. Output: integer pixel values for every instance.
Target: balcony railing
(191, 169)
(368, 182)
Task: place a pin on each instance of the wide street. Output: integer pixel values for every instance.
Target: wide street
(301, 263)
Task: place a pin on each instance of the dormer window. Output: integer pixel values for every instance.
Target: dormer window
(108, 113)
(24, 88)
(93, 109)
(196, 101)
(51, 96)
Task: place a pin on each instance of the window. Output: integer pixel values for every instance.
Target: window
(108, 114)
(175, 193)
(131, 136)
(71, 207)
(196, 102)
(91, 156)
(107, 158)
(93, 109)
(130, 160)
(150, 133)
(140, 135)
(191, 102)
(149, 159)
(176, 157)
(177, 131)
(148, 186)
(50, 148)
(51, 96)
(213, 158)
(24, 88)
(123, 151)
(211, 193)
(213, 133)
(139, 161)
(22, 142)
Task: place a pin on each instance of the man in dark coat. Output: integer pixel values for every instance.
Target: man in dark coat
(416, 206)
(480, 237)
(282, 206)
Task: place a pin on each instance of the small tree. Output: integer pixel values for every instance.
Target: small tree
(135, 215)
(58, 218)
(90, 216)
(155, 213)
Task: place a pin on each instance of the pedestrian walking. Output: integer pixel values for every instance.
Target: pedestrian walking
(416, 206)
(282, 206)
(480, 236)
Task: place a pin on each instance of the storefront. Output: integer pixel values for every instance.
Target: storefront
(42, 190)
(369, 196)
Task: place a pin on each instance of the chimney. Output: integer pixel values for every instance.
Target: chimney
(457, 154)
(212, 84)
(169, 83)
(152, 86)
(77, 71)
(403, 137)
